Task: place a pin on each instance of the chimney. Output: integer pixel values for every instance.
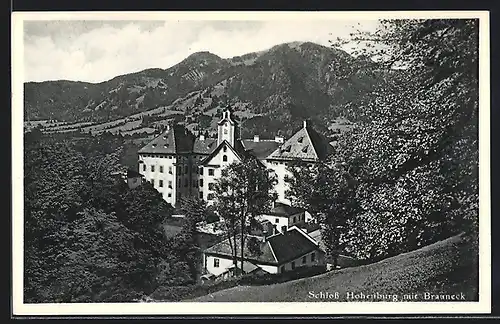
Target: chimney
(256, 138)
(305, 123)
(279, 139)
(202, 137)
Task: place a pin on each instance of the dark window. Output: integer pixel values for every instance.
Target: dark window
(161, 168)
(211, 186)
(201, 171)
(313, 255)
(170, 184)
(210, 196)
(201, 182)
(294, 219)
(293, 264)
(144, 167)
(170, 169)
(160, 183)
(224, 158)
(224, 148)
(283, 228)
(304, 260)
(201, 194)
(277, 220)
(152, 168)
(186, 169)
(216, 263)
(153, 182)
(282, 269)
(210, 172)
(169, 195)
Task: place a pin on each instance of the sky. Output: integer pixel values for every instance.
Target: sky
(96, 51)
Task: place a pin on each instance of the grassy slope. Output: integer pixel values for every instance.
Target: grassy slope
(449, 266)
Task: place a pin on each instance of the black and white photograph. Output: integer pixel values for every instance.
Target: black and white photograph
(282, 162)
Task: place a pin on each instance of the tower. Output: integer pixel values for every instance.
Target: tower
(226, 129)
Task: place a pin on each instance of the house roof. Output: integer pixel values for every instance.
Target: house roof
(204, 146)
(276, 249)
(305, 144)
(260, 149)
(291, 245)
(177, 139)
(218, 148)
(284, 210)
(247, 266)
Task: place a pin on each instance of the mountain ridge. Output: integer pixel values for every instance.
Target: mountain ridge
(275, 87)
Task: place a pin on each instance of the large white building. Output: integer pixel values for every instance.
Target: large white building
(179, 164)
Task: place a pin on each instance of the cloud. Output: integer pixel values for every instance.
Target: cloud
(96, 51)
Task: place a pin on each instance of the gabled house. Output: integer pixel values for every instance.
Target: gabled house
(275, 254)
(283, 216)
(180, 164)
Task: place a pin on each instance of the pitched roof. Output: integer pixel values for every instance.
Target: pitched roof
(291, 245)
(223, 248)
(218, 148)
(277, 249)
(177, 139)
(281, 209)
(204, 146)
(260, 149)
(247, 266)
(305, 144)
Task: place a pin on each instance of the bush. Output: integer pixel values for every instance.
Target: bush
(178, 293)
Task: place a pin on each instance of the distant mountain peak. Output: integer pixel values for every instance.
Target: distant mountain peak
(203, 55)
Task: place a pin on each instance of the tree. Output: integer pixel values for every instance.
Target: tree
(416, 136)
(243, 191)
(412, 152)
(326, 189)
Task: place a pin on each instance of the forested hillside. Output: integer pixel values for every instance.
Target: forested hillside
(87, 236)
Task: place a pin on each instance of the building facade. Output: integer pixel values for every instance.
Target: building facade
(179, 164)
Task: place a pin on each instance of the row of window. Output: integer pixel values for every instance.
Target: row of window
(304, 261)
(211, 172)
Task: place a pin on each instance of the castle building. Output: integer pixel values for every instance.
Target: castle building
(179, 164)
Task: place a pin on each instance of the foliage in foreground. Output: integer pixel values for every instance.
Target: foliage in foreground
(88, 237)
(407, 173)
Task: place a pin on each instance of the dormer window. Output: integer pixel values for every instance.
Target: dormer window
(300, 139)
(305, 148)
(288, 148)
(225, 131)
(153, 145)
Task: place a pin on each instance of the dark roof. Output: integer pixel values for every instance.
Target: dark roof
(260, 149)
(291, 245)
(281, 209)
(223, 248)
(204, 146)
(177, 139)
(276, 249)
(305, 144)
(133, 174)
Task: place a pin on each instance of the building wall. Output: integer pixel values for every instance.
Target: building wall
(224, 263)
(165, 174)
(280, 221)
(217, 164)
(318, 260)
(279, 168)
